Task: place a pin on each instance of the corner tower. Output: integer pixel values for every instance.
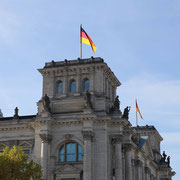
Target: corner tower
(66, 83)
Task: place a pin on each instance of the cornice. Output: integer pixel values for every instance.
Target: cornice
(10, 128)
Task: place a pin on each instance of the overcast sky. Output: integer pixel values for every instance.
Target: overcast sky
(138, 39)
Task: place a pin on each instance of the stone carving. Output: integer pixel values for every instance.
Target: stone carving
(46, 103)
(165, 160)
(117, 104)
(45, 138)
(16, 110)
(164, 156)
(88, 100)
(127, 147)
(126, 113)
(168, 161)
(116, 139)
(88, 135)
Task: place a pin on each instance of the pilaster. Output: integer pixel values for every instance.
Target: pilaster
(128, 165)
(138, 166)
(45, 138)
(147, 173)
(87, 164)
(117, 141)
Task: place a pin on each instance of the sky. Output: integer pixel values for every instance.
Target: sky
(139, 40)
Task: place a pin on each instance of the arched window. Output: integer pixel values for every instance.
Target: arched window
(86, 85)
(60, 87)
(73, 86)
(70, 152)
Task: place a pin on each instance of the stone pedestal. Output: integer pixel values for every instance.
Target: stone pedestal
(117, 140)
(87, 158)
(46, 138)
(128, 165)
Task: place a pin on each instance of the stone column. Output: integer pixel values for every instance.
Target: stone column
(151, 177)
(128, 165)
(117, 140)
(46, 138)
(147, 173)
(87, 158)
(138, 165)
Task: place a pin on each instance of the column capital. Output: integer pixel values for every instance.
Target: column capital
(45, 138)
(147, 170)
(117, 139)
(127, 147)
(88, 135)
(138, 163)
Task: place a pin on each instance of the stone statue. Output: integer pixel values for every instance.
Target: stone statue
(16, 110)
(126, 113)
(116, 104)
(88, 100)
(168, 161)
(46, 103)
(164, 156)
(52, 63)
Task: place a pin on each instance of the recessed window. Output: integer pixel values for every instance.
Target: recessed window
(86, 85)
(27, 152)
(73, 86)
(70, 152)
(60, 87)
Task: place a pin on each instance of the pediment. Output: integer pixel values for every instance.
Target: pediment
(68, 169)
(26, 144)
(147, 148)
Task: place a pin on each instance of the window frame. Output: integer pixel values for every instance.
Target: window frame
(29, 156)
(65, 153)
(57, 87)
(70, 85)
(86, 79)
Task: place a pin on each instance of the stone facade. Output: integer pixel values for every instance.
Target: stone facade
(80, 133)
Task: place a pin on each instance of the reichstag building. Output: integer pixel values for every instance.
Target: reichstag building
(80, 132)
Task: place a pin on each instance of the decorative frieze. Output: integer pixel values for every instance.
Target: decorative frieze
(45, 138)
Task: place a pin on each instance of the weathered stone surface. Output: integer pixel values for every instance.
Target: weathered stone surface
(111, 149)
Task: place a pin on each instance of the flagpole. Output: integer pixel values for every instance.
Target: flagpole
(80, 43)
(136, 114)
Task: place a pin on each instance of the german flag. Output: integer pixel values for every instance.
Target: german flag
(137, 110)
(87, 40)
